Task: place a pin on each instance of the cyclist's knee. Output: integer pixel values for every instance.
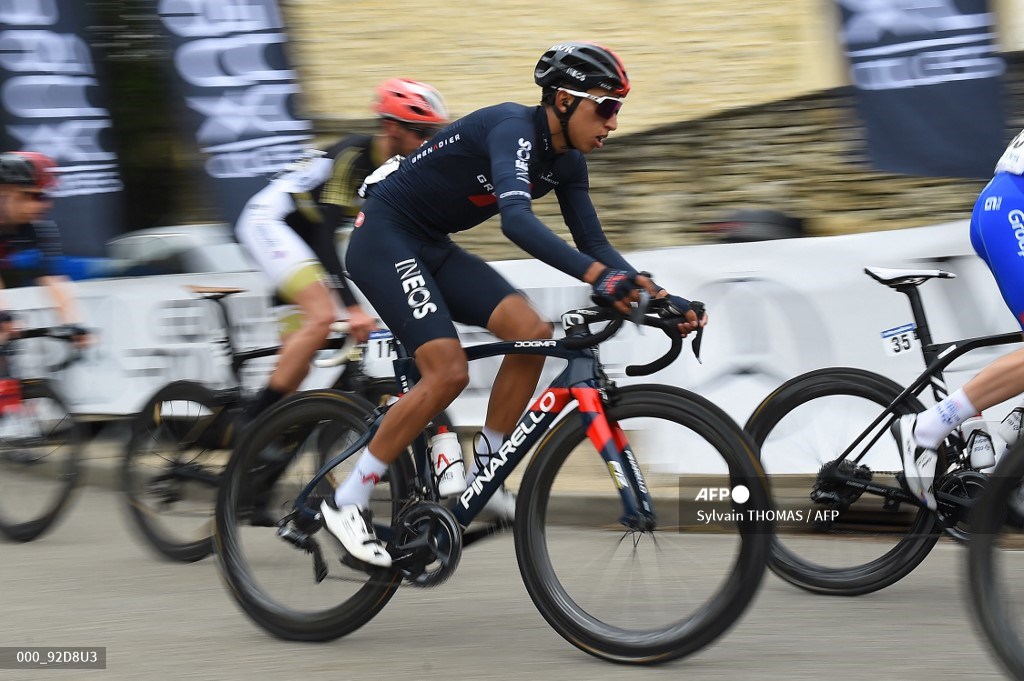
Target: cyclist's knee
(318, 315)
(442, 364)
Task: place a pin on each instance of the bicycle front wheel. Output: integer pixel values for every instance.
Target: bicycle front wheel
(172, 466)
(274, 580)
(40, 446)
(808, 422)
(661, 593)
(996, 561)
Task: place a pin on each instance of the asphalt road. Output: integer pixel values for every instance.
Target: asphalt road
(91, 583)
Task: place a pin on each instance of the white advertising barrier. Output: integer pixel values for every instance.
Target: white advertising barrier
(776, 310)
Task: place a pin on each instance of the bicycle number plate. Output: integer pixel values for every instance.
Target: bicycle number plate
(900, 340)
(379, 355)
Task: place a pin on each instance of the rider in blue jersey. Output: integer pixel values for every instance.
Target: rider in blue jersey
(997, 235)
(494, 161)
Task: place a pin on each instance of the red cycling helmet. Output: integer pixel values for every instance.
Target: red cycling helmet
(28, 168)
(410, 101)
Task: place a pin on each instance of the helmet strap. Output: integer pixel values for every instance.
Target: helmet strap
(563, 118)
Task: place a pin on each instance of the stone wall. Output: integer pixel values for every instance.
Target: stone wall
(738, 110)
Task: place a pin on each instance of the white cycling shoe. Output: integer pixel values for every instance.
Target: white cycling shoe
(353, 527)
(918, 462)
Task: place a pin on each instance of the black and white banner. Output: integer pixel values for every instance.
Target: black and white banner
(233, 73)
(51, 101)
(928, 84)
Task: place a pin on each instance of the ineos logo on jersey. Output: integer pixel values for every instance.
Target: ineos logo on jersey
(415, 287)
(523, 160)
(1016, 218)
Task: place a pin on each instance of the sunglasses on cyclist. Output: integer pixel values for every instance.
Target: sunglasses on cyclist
(37, 196)
(423, 131)
(606, 106)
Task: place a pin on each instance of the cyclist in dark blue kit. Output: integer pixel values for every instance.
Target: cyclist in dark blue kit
(30, 249)
(494, 161)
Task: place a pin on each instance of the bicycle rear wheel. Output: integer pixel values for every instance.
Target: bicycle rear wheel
(274, 581)
(40, 446)
(808, 422)
(644, 597)
(172, 467)
(996, 561)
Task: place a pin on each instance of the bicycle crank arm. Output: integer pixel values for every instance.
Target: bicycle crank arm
(890, 493)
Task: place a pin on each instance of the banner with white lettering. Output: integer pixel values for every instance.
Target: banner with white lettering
(233, 73)
(51, 101)
(928, 84)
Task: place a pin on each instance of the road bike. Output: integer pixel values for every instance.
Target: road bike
(181, 440)
(843, 418)
(40, 440)
(620, 568)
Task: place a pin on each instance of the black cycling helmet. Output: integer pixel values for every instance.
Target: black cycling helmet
(582, 66)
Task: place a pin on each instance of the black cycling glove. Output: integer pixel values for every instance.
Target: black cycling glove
(613, 286)
(675, 306)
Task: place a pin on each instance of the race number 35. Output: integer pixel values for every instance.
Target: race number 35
(900, 340)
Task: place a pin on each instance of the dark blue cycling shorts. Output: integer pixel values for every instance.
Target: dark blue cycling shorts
(997, 234)
(418, 284)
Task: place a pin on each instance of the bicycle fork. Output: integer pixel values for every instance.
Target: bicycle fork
(609, 439)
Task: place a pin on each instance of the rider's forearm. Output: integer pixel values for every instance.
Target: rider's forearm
(63, 299)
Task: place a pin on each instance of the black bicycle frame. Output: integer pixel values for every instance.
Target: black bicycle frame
(941, 355)
(582, 380)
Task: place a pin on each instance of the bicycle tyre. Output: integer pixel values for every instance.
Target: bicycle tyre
(285, 623)
(923, 532)
(712, 618)
(62, 461)
(198, 412)
(990, 605)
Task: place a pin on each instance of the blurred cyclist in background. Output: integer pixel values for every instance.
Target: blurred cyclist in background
(289, 228)
(997, 234)
(494, 161)
(30, 248)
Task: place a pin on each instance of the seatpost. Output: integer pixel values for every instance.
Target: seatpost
(229, 345)
(924, 334)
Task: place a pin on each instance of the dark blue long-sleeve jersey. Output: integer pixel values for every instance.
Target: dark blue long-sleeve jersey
(497, 160)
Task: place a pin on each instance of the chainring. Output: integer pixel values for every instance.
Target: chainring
(428, 543)
(965, 484)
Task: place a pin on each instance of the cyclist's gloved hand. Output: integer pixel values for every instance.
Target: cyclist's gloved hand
(613, 286)
(675, 306)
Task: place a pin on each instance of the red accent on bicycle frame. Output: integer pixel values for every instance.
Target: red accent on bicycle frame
(559, 397)
(598, 429)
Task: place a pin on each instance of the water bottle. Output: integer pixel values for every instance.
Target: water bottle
(979, 443)
(446, 458)
(1009, 429)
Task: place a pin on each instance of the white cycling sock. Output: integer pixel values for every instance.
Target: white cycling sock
(358, 486)
(933, 425)
(483, 446)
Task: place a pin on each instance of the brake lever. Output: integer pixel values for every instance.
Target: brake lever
(637, 315)
(699, 309)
